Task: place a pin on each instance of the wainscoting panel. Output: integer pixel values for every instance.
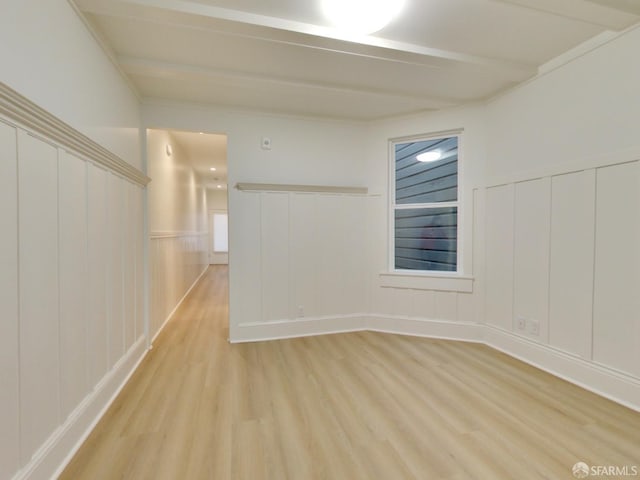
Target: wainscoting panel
(39, 292)
(616, 321)
(571, 275)
(499, 256)
(68, 251)
(73, 286)
(531, 254)
(576, 237)
(274, 266)
(115, 229)
(9, 329)
(177, 261)
(97, 236)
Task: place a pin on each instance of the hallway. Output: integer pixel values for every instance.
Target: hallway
(350, 406)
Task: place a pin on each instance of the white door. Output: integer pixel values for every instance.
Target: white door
(218, 237)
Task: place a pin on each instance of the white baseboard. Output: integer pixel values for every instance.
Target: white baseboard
(604, 381)
(419, 327)
(53, 456)
(175, 309)
(609, 383)
(300, 327)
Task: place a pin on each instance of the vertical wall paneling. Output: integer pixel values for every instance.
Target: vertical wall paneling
(244, 236)
(38, 257)
(97, 231)
(499, 256)
(115, 269)
(479, 246)
(275, 256)
(139, 229)
(616, 304)
(446, 306)
(72, 196)
(352, 254)
(571, 265)
(304, 232)
(531, 255)
(9, 396)
(129, 251)
(331, 283)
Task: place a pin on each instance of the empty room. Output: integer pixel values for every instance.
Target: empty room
(322, 239)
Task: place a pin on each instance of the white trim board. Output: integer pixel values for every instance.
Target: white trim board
(606, 382)
(21, 110)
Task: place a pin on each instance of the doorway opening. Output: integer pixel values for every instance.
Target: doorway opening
(187, 206)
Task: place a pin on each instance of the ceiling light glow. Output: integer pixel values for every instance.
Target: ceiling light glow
(213, 169)
(361, 16)
(430, 156)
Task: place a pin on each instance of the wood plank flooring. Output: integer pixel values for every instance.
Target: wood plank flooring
(346, 406)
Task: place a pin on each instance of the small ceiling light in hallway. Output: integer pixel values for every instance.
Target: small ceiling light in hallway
(361, 16)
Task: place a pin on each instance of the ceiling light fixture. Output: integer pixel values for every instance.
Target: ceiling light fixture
(213, 169)
(361, 16)
(430, 156)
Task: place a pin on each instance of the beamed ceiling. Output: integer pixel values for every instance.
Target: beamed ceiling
(282, 56)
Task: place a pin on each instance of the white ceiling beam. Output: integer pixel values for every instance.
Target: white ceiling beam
(188, 14)
(158, 69)
(611, 14)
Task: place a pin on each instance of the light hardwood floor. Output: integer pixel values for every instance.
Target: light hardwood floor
(345, 406)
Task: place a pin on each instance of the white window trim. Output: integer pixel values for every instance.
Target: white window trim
(456, 281)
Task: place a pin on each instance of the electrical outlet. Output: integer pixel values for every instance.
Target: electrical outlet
(534, 327)
(521, 323)
(300, 311)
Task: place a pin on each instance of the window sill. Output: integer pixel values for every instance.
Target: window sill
(442, 282)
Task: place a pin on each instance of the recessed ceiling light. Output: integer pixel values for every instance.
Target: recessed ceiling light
(361, 16)
(430, 156)
(213, 169)
(219, 186)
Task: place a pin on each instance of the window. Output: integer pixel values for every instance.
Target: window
(220, 235)
(425, 204)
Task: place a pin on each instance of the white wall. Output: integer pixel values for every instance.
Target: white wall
(276, 264)
(549, 223)
(562, 224)
(412, 306)
(216, 199)
(71, 297)
(49, 56)
(177, 208)
(71, 290)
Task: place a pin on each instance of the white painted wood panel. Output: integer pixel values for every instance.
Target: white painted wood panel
(97, 233)
(616, 322)
(331, 282)
(9, 427)
(275, 256)
(39, 322)
(115, 209)
(139, 262)
(446, 306)
(499, 256)
(352, 256)
(424, 304)
(531, 253)
(129, 250)
(304, 232)
(244, 254)
(72, 194)
(571, 266)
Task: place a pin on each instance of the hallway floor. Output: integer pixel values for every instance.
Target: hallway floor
(346, 406)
